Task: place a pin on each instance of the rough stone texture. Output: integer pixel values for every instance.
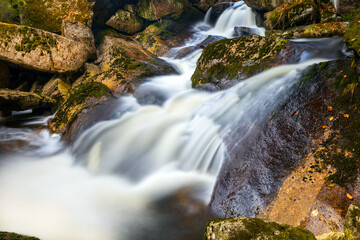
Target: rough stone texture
(225, 62)
(40, 50)
(57, 88)
(352, 223)
(49, 14)
(12, 100)
(346, 6)
(81, 33)
(352, 35)
(154, 40)
(155, 9)
(331, 236)
(253, 229)
(265, 5)
(204, 5)
(126, 22)
(15, 236)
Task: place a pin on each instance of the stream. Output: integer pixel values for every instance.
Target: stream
(148, 174)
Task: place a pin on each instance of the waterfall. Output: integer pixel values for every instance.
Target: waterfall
(107, 186)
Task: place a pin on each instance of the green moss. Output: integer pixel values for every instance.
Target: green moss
(14, 236)
(352, 35)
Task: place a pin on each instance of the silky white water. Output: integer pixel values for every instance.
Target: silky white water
(105, 186)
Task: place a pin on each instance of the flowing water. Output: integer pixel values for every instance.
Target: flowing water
(148, 174)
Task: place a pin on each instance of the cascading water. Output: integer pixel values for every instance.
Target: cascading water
(111, 183)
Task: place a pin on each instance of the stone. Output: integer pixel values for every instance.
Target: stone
(12, 100)
(331, 236)
(39, 50)
(228, 61)
(253, 229)
(344, 7)
(49, 15)
(126, 22)
(265, 5)
(154, 40)
(352, 222)
(204, 5)
(352, 35)
(81, 33)
(57, 88)
(156, 9)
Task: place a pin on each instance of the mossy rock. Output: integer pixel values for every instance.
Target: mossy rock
(80, 97)
(156, 9)
(253, 229)
(49, 14)
(295, 13)
(12, 100)
(352, 35)
(352, 223)
(126, 22)
(236, 59)
(331, 236)
(15, 236)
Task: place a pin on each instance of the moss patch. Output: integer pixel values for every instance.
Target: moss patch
(14, 236)
(352, 35)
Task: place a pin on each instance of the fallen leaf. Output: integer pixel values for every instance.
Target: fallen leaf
(349, 196)
(331, 118)
(330, 108)
(345, 76)
(325, 127)
(346, 115)
(295, 113)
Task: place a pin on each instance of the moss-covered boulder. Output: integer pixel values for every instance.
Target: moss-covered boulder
(317, 30)
(80, 98)
(15, 236)
(12, 100)
(49, 14)
(253, 229)
(352, 223)
(225, 62)
(352, 35)
(265, 5)
(156, 9)
(154, 39)
(39, 50)
(125, 64)
(126, 22)
(204, 5)
(57, 88)
(295, 13)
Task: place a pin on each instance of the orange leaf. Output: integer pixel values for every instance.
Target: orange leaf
(331, 118)
(346, 115)
(325, 127)
(345, 76)
(349, 196)
(330, 108)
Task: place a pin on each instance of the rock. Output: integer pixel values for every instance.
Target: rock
(81, 97)
(57, 88)
(346, 6)
(39, 50)
(49, 14)
(223, 61)
(9, 13)
(126, 22)
(293, 14)
(4, 75)
(318, 30)
(156, 9)
(242, 31)
(103, 10)
(352, 35)
(15, 236)
(352, 222)
(12, 100)
(252, 229)
(124, 64)
(216, 11)
(263, 5)
(154, 40)
(331, 236)
(81, 33)
(204, 5)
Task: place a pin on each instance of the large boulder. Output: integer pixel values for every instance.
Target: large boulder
(352, 223)
(253, 229)
(156, 9)
(228, 61)
(50, 14)
(126, 22)
(154, 39)
(40, 50)
(12, 100)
